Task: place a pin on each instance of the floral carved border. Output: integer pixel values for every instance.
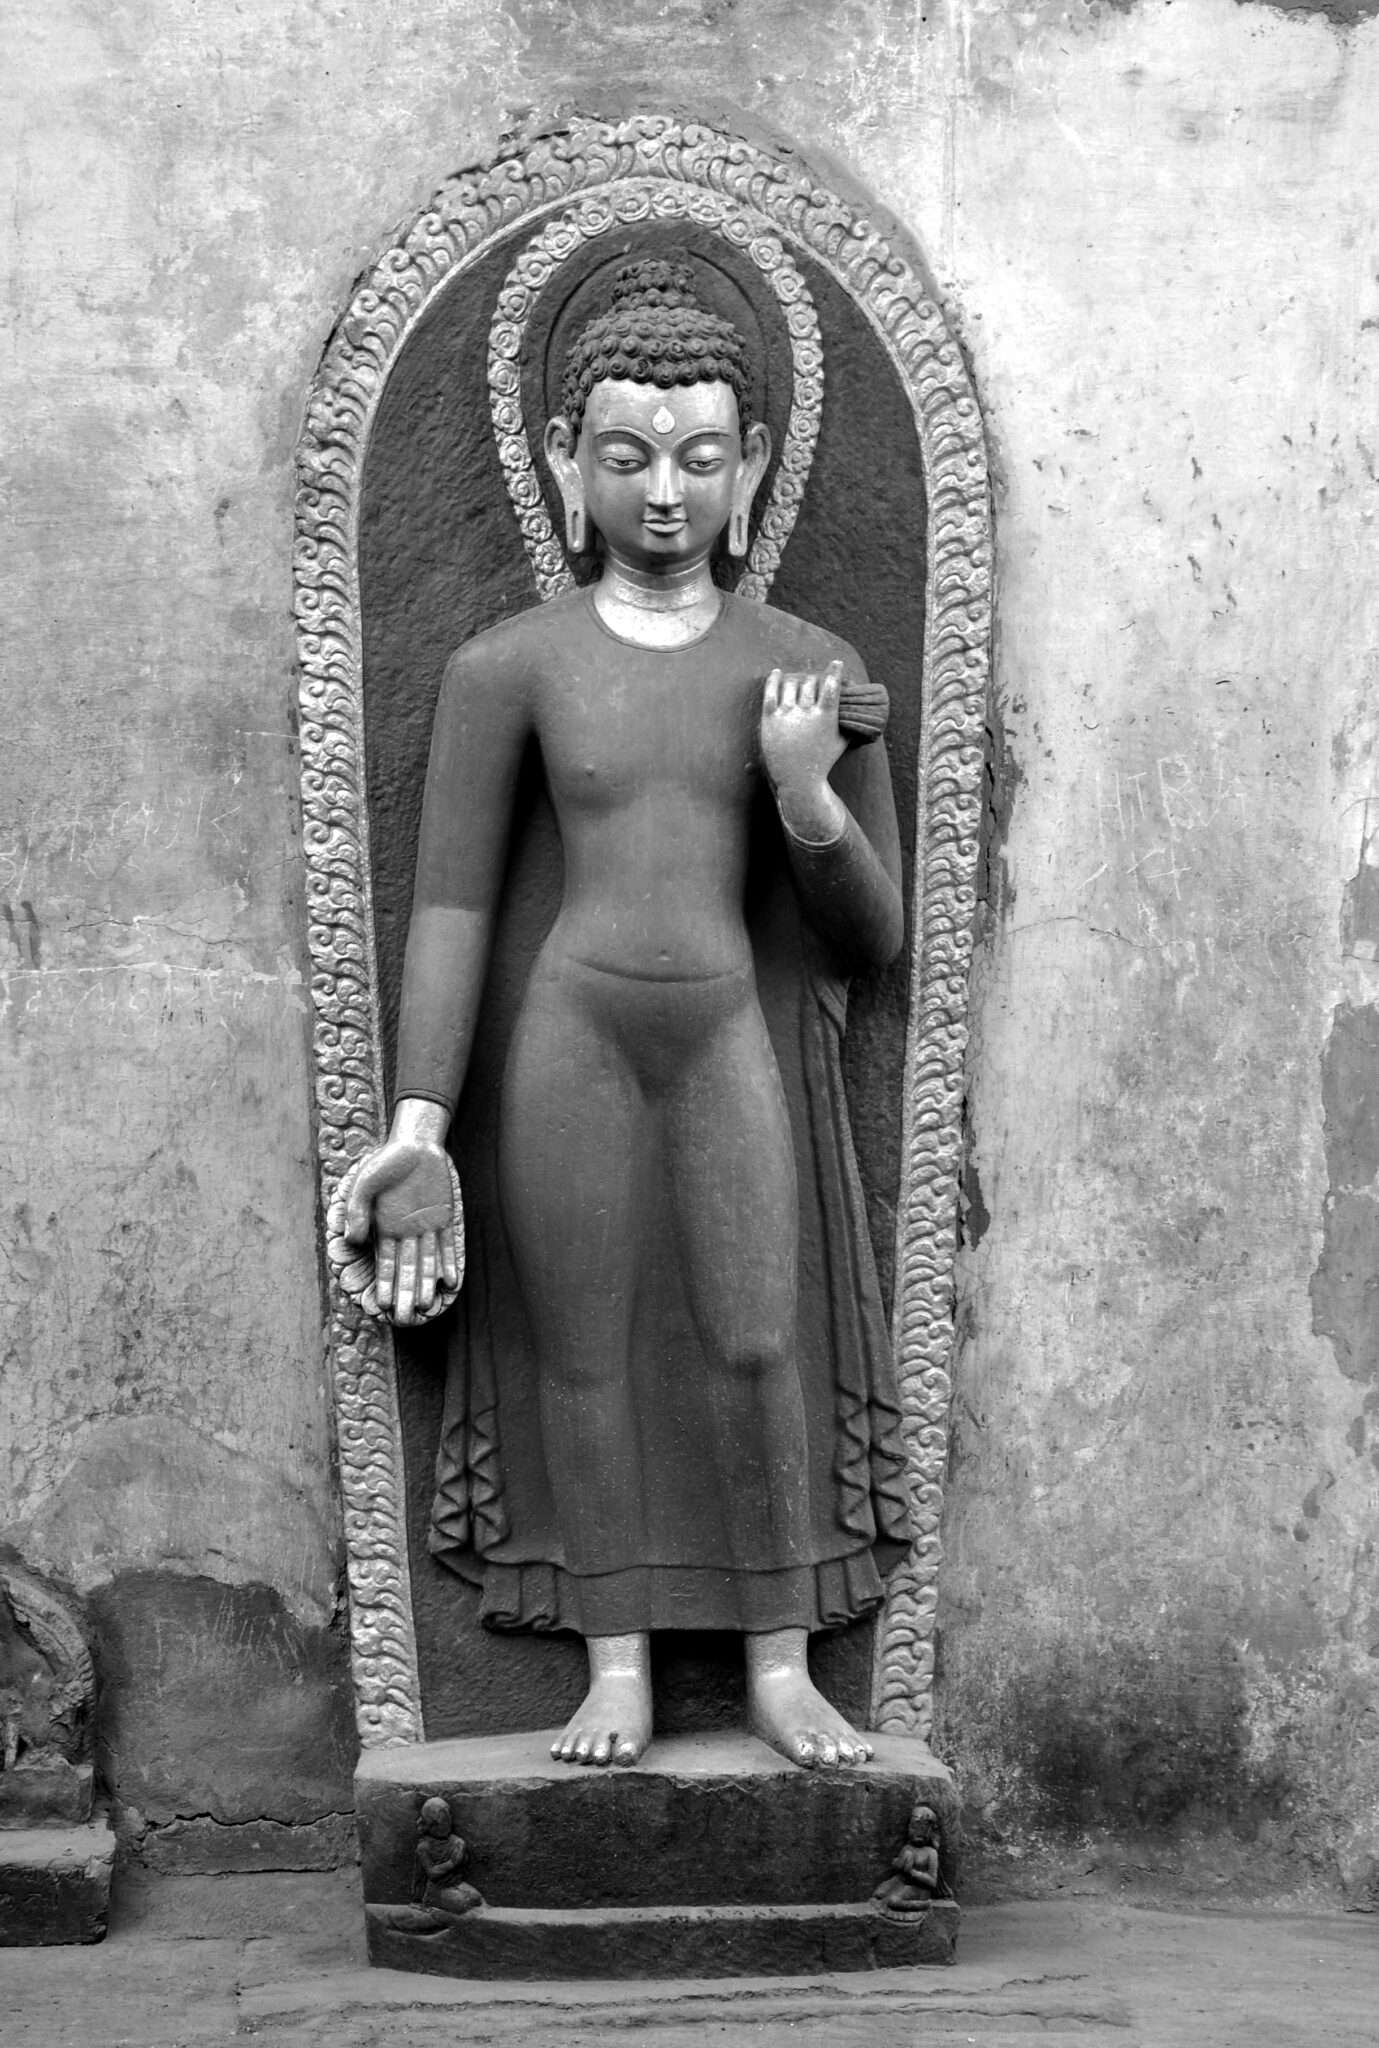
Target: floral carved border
(514, 196)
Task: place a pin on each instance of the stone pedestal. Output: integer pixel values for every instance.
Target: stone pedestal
(712, 1858)
(55, 1884)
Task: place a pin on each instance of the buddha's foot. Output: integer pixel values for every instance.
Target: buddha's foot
(791, 1714)
(614, 1724)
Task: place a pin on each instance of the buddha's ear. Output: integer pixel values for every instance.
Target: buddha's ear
(560, 453)
(756, 453)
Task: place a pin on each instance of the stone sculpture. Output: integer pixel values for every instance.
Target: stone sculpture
(913, 1882)
(672, 1399)
(441, 1856)
(47, 1698)
(842, 290)
(56, 1851)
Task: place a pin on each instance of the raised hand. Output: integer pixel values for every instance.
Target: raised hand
(403, 1197)
(800, 742)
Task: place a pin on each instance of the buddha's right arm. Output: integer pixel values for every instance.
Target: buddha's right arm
(481, 728)
(402, 1193)
(442, 983)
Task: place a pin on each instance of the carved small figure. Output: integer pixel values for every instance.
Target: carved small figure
(914, 1874)
(441, 1856)
(47, 1698)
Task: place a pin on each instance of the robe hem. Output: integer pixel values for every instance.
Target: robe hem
(543, 1597)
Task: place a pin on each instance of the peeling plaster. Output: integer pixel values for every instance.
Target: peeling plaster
(1340, 13)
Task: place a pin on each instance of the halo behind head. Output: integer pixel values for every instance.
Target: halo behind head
(656, 332)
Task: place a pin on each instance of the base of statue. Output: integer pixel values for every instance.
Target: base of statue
(713, 1857)
(55, 1884)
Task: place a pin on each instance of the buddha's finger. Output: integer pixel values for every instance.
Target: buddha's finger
(406, 1280)
(809, 692)
(428, 1265)
(450, 1257)
(831, 688)
(385, 1272)
(771, 699)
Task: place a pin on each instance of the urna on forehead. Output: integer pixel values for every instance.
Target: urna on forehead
(667, 417)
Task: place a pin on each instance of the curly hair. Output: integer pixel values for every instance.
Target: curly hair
(655, 332)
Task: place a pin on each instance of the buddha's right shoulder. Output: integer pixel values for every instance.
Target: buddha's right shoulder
(516, 645)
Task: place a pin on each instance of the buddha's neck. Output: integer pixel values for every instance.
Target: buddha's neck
(661, 608)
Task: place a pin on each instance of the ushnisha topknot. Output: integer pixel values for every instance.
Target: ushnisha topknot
(655, 332)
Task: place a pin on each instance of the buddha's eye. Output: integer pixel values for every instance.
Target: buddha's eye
(622, 458)
(704, 465)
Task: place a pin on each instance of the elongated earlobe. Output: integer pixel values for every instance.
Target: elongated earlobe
(756, 454)
(560, 444)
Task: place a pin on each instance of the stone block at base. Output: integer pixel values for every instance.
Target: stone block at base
(712, 1857)
(664, 1941)
(54, 1793)
(55, 1884)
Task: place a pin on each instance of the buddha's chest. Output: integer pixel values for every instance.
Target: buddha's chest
(632, 729)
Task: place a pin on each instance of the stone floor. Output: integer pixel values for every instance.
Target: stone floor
(279, 1960)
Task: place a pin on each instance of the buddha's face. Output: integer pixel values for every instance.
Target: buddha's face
(659, 471)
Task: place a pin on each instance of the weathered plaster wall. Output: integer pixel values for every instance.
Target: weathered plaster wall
(1156, 226)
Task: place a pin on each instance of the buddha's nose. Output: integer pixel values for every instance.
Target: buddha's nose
(663, 481)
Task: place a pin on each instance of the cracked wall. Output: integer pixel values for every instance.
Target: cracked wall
(1155, 226)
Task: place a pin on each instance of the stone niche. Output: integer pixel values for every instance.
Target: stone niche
(426, 514)
(56, 1850)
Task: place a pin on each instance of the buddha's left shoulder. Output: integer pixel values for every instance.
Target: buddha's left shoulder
(796, 643)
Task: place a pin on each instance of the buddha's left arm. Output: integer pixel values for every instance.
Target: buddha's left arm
(850, 885)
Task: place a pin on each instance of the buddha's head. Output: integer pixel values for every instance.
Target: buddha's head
(654, 450)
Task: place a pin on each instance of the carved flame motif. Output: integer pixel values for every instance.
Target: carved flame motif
(630, 203)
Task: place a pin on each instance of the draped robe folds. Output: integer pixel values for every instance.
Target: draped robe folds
(494, 1518)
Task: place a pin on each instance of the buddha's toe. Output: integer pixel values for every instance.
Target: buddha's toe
(613, 1726)
(795, 1719)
